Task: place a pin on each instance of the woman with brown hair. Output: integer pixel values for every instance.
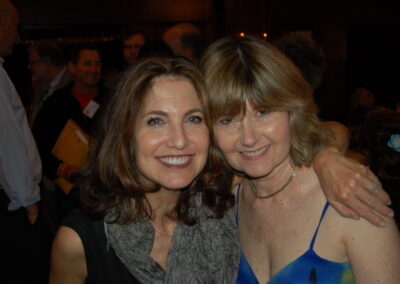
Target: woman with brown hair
(267, 132)
(152, 213)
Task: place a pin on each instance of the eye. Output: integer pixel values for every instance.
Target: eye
(262, 113)
(195, 119)
(155, 121)
(225, 121)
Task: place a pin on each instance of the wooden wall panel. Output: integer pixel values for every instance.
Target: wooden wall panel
(116, 11)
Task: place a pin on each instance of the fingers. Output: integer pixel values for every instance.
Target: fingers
(380, 193)
(361, 183)
(343, 210)
(373, 217)
(374, 203)
(346, 183)
(361, 210)
(383, 196)
(374, 195)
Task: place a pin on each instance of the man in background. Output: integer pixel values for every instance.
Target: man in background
(185, 40)
(132, 41)
(49, 73)
(20, 170)
(309, 57)
(80, 101)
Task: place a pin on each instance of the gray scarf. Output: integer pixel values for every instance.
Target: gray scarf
(207, 252)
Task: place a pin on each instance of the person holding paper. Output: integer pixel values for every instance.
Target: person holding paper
(80, 102)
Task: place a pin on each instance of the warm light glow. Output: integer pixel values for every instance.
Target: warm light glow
(265, 35)
(241, 34)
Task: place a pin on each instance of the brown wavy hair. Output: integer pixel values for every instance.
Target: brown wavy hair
(250, 69)
(110, 179)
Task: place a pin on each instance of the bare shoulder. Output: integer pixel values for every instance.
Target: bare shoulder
(68, 264)
(374, 252)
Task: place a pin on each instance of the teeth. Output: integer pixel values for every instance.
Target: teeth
(175, 160)
(254, 153)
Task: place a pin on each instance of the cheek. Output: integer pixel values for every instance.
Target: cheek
(201, 138)
(225, 139)
(146, 142)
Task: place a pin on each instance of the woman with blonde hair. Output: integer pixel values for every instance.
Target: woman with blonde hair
(267, 132)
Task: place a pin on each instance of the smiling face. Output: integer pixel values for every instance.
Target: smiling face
(256, 143)
(171, 135)
(87, 70)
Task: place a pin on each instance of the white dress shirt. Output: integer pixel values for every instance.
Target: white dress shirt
(56, 80)
(20, 165)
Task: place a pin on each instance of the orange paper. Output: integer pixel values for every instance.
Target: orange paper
(72, 148)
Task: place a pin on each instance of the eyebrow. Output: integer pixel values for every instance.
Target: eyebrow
(163, 113)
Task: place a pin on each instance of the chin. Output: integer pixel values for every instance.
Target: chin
(176, 185)
(255, 173)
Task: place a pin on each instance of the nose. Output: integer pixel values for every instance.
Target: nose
(95, 68)
(248, 133)
(178, 137)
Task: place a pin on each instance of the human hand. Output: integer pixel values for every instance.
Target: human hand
(32, 212)
(346, 182)
(66, 170)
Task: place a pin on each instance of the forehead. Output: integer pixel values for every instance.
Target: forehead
(175, 90)
(89, 55)
(137, 38)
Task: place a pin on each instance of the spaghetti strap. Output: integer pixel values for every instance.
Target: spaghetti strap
(320, 220)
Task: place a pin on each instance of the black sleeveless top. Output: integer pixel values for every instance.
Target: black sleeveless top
(103, 265)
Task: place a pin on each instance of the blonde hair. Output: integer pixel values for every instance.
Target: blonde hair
(250, 70)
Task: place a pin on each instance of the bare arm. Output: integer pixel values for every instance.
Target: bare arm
(68, 264)
(345, 183)
(374, 252)
(340, 135)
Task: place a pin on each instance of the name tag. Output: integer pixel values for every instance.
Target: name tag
(91, 109)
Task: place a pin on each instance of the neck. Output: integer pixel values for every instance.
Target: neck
(162, 204)
(272, 185)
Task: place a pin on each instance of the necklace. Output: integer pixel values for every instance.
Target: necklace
(253, 187)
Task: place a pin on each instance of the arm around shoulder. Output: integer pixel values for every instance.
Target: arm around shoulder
(340, 135)
(374, 252)
(68, 263)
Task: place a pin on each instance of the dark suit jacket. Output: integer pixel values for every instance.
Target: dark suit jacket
(51, 119)
(37, 100)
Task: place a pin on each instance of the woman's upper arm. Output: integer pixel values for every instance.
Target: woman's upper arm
(374, 252)
(68, 264)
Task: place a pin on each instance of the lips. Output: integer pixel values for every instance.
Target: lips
(180, 161)
(254, 154)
